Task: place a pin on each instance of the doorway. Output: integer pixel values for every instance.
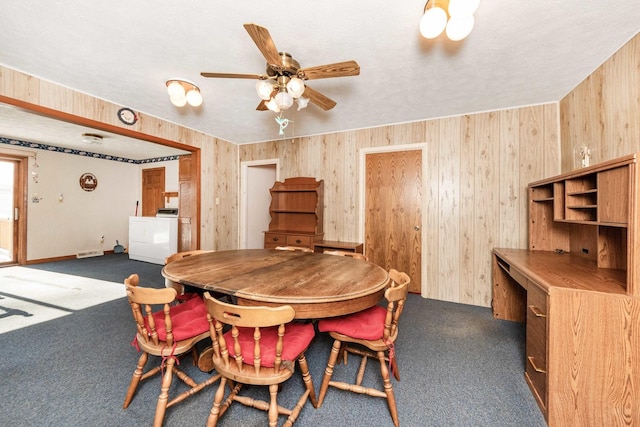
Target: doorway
(393, 207)
(12, 210)
(257, 177)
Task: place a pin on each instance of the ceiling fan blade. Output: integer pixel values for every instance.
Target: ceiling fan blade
(262, 106)
(319, 99)
(235, 76)
(339, 69)
(263, 40)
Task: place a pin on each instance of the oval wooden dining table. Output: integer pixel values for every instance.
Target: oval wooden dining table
(316, 285)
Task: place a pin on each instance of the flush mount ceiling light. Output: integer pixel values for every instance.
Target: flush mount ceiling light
(91, 138)
(183, 92)
(454, 17)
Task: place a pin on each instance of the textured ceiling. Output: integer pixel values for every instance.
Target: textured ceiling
(519, 53)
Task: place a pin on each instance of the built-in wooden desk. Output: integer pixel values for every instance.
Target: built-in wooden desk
(582, 335)
(577, 289)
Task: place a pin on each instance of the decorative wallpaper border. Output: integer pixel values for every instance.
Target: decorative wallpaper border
(84, 153)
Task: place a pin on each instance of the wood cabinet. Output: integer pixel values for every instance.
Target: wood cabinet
(576, 287)
(296, 211)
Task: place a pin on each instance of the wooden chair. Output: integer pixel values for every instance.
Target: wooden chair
(257, 346)
(369, 333)
(183, 293)
(293, 248)
(354, 255)
(168, 334)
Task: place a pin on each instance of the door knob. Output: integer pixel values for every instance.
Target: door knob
(416, 227)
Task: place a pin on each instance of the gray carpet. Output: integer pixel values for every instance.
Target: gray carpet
(458, 366)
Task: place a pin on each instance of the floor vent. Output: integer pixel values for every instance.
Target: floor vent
(88, 254)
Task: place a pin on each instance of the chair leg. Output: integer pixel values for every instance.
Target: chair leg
(342, 355)
(296, 410)
(328, 373)
(388, 388)
(194, 355)
(273, 405)
(164, 393)
(212, 421)
(135, 379)
(394, 367)
(306, 377)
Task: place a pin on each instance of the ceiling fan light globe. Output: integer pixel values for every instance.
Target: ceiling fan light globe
(433, 23)
(463, 7)
(459, 27)
(283, 100)
(264, 89)
(302, 102)
(295, 87)
(178, 101)
(175, 89)
(194, 97)
(272, 105)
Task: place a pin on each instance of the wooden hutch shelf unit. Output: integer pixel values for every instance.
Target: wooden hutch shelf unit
(578, 290)
(296, 211)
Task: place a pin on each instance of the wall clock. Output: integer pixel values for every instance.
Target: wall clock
(88, 181)
(127, 116)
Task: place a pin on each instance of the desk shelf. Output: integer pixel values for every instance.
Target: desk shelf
(587, 212)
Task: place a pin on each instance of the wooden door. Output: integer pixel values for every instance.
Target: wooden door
(393, 212)
(152, 189)
(188, 204)
(14, 172)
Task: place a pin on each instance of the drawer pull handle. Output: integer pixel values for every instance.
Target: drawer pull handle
(298, 241)
(533, 364)
(275, 239)
(537, 311)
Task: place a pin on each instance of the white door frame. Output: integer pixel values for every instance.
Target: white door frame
(244, 172)
(361, 190)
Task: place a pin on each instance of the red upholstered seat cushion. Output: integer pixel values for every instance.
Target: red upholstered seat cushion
(297, 338)
(188, 319)
(366, 324)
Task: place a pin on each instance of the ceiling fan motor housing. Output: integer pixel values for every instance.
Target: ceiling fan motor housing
(287, 67)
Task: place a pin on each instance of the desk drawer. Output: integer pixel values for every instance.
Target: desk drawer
(537, 340)
(300, 240)
(271, 240)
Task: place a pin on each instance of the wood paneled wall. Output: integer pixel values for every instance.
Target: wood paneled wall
(603, 111)
(219, 166)
(478, 167)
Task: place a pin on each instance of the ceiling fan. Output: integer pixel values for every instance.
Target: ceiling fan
(289, 79)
